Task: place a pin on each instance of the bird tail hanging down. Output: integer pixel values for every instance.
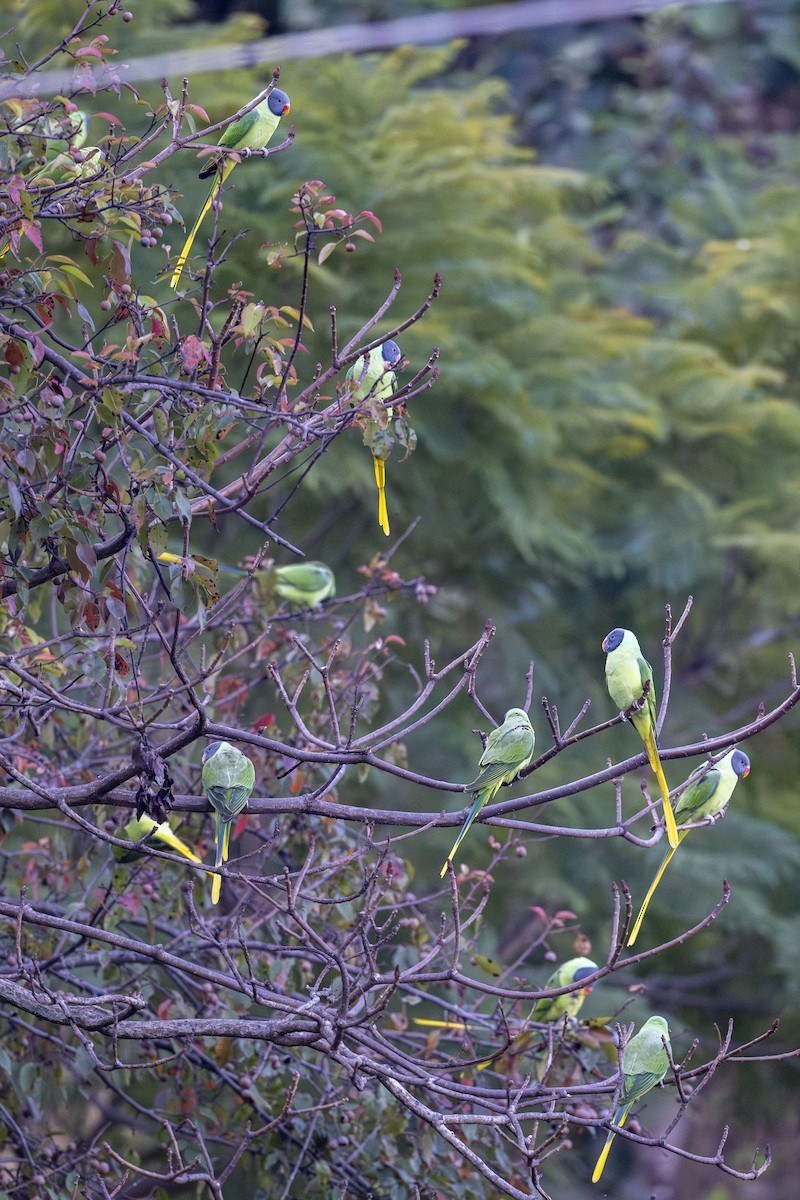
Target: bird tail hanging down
(223, 846)
(601, 1162)
(655, 765)
(187, 246)
(480, 799)
(380, 479)
(637, 925)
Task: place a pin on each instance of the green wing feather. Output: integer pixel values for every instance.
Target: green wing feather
(693, 805)
(234, 137)
(228, 801)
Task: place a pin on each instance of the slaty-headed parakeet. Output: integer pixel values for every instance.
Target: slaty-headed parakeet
(628, 675)
(645, 1062)
(250, 132)
(144, 827)
(508, 751)
(229, 778)
(374, 377)
(705, 796)
(570, 1004)
(557, 1007)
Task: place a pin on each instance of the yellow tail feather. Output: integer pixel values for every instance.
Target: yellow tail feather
(637, 925)
(459, 1025)
(655, 765)
(226, 840)
(601, 1162)
(480, 799)
(380, 479)
(187, 246)
(175, 843)
(223, 846)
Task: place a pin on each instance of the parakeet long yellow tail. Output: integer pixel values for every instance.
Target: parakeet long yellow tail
(187, 246)
(380, 479)
(223, 846)
(480, 799)
(170, 839)
(637, 925)
(601, 1162)
(655, 765)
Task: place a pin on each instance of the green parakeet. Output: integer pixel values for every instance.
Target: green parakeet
(627, 675)
(570, 1004)
(306, 583)
(554, 1009)
(57, 134)
(146, 827)
(229, 778)
(557, 1007)
(645, 1062)
(250, 132)
(704, 797)
(508, 751)
(374, 376)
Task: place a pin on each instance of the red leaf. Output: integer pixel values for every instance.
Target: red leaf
(120, 268)
(13, 354)
(264, 722)
(193, 352)
(91, 616)
(34, 234)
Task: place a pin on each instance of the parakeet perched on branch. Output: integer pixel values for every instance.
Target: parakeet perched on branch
(570, 1004)
(645, 1062)
(508, 751)
(374, 376)
(705, 797)
(229, 778)
(250, 132)
(630, 681)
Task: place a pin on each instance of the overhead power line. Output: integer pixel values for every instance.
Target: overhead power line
(422, 29)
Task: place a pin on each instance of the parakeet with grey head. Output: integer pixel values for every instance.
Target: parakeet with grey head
(629, 675)
(249, 132)
(373, 375)
(645, 1062)
(229, 778)
(509, 749)
(570, 972)
(704, 797)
